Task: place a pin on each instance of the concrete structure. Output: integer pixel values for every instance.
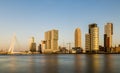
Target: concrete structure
(77, 37)
(32, 45)
(116, 49)
(12, 45)
(51, 38)
(43, 46)
(87, 42)
(108, 36)
(92, 39)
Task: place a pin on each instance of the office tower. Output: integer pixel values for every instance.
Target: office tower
(32, 46)
(92, 38)
(51, 38)
(77, 37)
(87, 42)
(54, 40)
(108, 36)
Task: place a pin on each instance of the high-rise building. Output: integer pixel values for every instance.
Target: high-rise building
(51, 38)
(77, 37)
(92, 38)
(108, 36)
(87, 42)
(32, 46)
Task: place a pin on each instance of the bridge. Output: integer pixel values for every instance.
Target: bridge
(13, 43)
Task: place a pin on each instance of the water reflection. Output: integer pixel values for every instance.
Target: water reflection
(92, 64)
(60, 64)
(79, 64)
(108, 64)
(12, 64)
(50, 64)
(31, 64)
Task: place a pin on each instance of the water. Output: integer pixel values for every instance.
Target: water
(81, 63)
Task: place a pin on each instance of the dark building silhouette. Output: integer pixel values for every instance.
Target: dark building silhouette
(39, 48)
(32, 45)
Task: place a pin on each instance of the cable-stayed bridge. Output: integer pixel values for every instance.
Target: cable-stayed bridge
(14, 44)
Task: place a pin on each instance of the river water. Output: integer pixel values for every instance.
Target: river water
(64, 63)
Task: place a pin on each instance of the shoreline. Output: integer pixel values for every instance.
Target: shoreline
(54, 54)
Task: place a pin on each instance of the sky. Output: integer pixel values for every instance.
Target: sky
(27, 18)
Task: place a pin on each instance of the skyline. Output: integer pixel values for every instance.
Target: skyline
(32, 18)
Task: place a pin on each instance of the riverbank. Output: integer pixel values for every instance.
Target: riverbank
(5, 54)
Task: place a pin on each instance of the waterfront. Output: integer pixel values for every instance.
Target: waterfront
(60, 63)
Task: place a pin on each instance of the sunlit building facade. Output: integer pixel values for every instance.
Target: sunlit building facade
(77, 37)
(51, 38)
(108, 36)
(92, 38)
(43, 46)
(87, 42)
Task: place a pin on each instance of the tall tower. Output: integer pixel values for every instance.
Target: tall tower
(54, 40)
(87, 42)
(108, 36)
(51, 38)
(92, 39)
(77, 37)
(32, 46)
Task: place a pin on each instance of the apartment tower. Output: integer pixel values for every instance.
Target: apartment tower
(92, 38)
(77, 37)
(51, 38)
(108, 36)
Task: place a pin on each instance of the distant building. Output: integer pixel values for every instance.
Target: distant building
(51, 38)
(116, 49)
(76, 50)
(43, 46)
(108, 37)
(63, 50)
(101, 48)
(77, 37)
(87, 42)
(92, 38)
(40, 48)
(32, 46)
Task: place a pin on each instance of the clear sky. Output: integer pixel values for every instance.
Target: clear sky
(27, 18)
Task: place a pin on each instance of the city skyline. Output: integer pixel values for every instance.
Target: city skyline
(33, 18)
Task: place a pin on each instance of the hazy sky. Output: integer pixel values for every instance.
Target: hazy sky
(27, 18)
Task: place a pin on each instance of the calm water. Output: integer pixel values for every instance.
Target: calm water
(60, 64)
